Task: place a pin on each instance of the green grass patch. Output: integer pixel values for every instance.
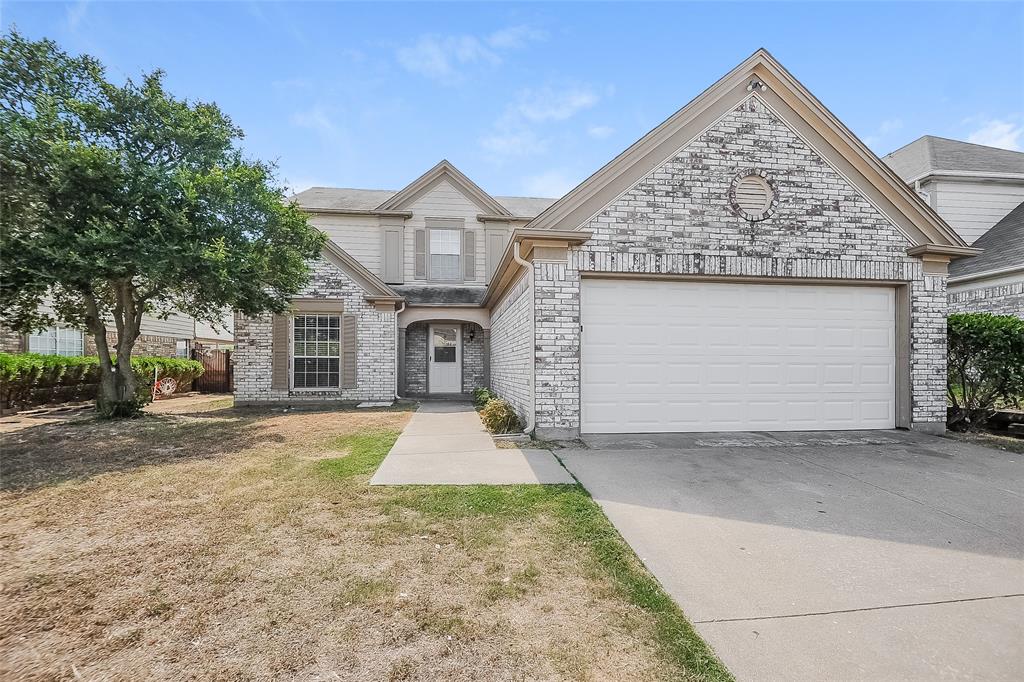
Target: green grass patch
(585, 527)
(366, 450)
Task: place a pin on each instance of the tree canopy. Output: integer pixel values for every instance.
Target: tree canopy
(119, 199)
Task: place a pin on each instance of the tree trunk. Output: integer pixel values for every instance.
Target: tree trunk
(118, 393)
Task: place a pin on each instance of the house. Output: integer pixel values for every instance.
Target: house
(171, 337)
(747, 265)
(979, 191)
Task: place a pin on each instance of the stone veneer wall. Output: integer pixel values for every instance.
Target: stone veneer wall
(376, 354)
(1005, 299)
(677, 220)
(510, 347)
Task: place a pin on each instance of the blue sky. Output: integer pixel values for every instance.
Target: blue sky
(532, 98)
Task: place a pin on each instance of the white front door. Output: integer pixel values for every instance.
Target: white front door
(709, 356)
(445, 358)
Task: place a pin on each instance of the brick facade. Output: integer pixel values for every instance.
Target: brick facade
(510, 347)
(472, 357)
(416, 360)
(11, 341)
(146, 344)
(1004, 299)
(677, 220)
(376, 353)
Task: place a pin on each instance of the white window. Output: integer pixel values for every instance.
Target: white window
(181, 348)
(445, 255)
(57, 341)
(316, 351)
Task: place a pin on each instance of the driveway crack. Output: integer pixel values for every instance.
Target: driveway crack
(866, 608)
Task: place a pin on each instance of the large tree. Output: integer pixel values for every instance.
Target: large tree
(118, 200)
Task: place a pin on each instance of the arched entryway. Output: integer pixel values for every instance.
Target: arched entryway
(443, 357)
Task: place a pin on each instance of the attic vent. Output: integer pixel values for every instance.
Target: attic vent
(753, 196)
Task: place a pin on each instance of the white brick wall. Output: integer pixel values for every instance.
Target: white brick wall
(678, 220)
(510, 347)
(1004, 299)
(376, 355)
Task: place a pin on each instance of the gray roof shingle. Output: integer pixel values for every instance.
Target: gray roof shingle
(929, 153)
(1003, 244)
(369, 199)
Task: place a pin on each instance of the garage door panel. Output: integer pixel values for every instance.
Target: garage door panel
(742, 357)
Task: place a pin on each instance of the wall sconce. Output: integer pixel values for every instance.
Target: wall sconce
(472, 333)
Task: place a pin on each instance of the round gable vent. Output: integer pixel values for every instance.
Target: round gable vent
(753, 196)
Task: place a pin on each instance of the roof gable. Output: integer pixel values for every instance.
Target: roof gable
(762, 74)
(375, 288)
(435, 176)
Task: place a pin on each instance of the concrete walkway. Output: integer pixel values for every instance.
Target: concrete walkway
(446, 444)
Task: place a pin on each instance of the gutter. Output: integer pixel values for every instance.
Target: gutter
(986, 275)
(354, 211)
(398, 311)
(531, 414)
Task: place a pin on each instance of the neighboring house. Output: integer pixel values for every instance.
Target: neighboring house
(979, 191)
(169, 338)
(992, 282)
(220, 336)
(747, 265)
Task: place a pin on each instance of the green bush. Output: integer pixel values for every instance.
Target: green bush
(985, 366)
(31, 379)
(499, 416)
(481, 396)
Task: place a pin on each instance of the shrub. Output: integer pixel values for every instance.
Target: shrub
(481, 396)
(32, 379)
(499, 416)
(986, 365)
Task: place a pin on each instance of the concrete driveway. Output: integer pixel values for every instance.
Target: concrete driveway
(839, 556)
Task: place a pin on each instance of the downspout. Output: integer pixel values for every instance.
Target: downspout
(398, 311)
(531, 413)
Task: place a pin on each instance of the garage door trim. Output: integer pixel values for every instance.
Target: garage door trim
(903, 384)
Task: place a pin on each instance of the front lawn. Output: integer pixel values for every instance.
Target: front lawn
(231, 544)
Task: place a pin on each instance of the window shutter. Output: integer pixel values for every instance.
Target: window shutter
(421, 254)
(392, 269)
(349, 350)
(279, 353)
(469, 254)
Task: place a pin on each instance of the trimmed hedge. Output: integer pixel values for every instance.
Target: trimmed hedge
(985, 365)
(31, 379)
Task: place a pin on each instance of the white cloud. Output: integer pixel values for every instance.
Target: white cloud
(318, 120)
(444, 57)
(552, 183)
(75, 13)
(513, 141)
(515, 37)
(439, 57)
(600, 132)
(890, 126)
(996, 133)
(548, 104)
(515, 133)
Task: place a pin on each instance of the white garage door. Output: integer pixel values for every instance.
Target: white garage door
(699, 356)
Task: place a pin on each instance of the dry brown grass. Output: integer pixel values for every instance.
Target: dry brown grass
(231, 545)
